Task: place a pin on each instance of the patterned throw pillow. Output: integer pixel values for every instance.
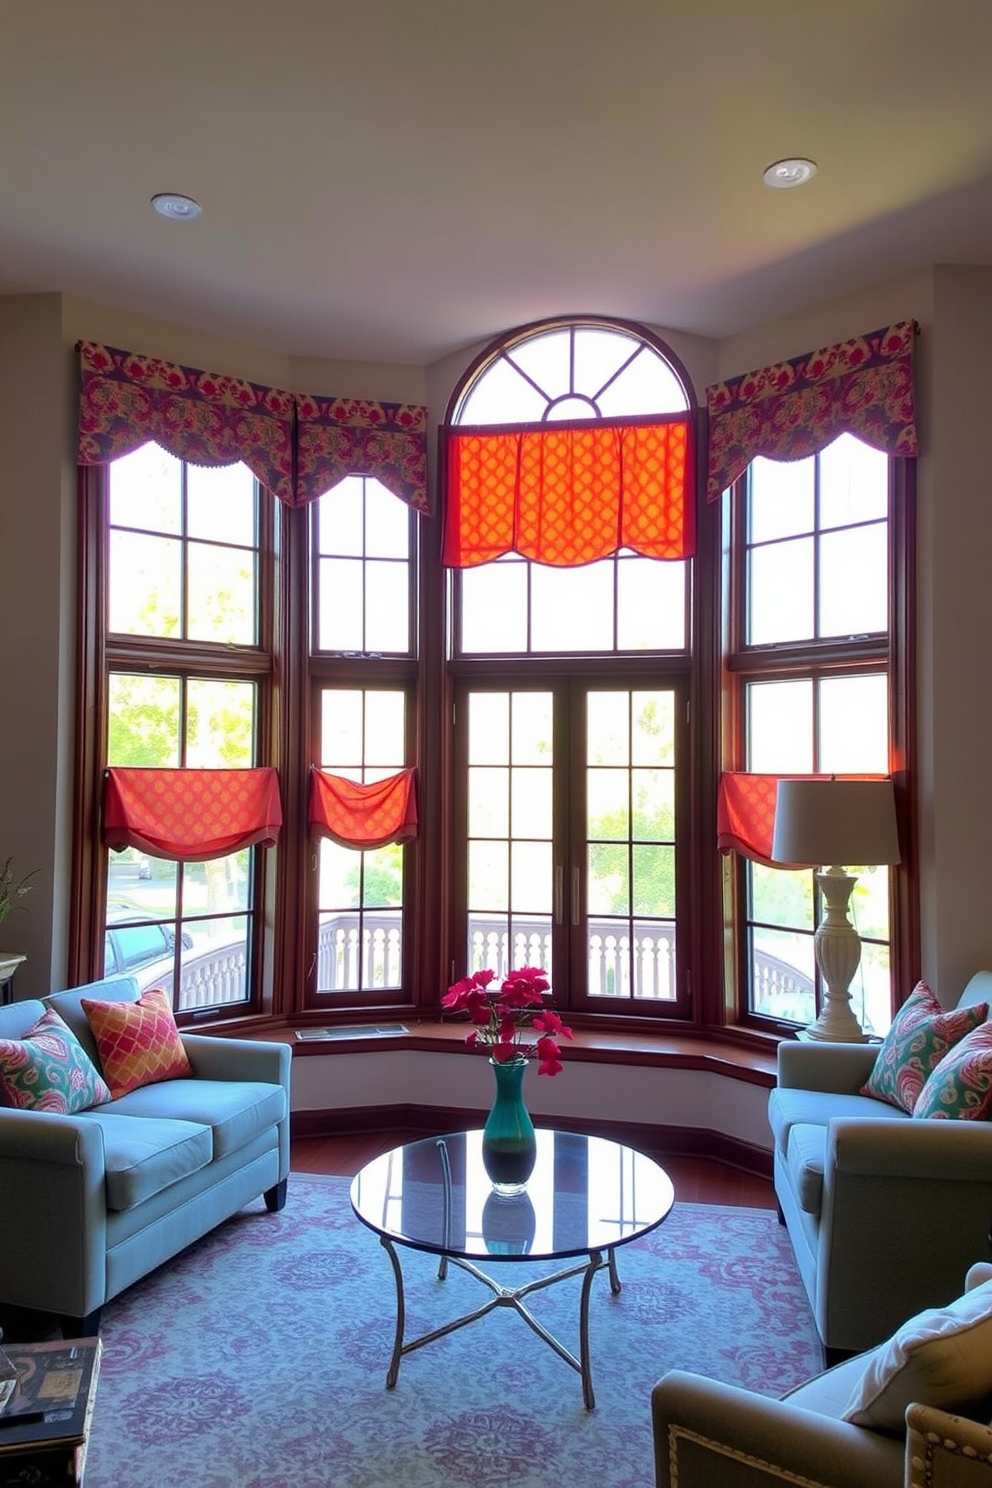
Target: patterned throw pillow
(920, 1036)
(49, 1070)
(961, 1085)
(138, 1042)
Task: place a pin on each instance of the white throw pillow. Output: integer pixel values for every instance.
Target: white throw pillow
(941, 1357)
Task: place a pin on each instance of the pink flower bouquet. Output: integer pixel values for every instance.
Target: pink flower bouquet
(501, 1018)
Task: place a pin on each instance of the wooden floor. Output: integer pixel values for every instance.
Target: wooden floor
(697, 1180)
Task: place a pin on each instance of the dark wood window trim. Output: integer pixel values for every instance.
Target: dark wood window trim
(897, 653)
(710, 1018)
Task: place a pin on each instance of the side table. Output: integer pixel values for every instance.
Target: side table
(9, 962)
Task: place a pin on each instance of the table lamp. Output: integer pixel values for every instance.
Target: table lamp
(830, 822)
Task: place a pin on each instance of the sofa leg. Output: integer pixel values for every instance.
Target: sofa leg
(81, 1327)
(275, 1198)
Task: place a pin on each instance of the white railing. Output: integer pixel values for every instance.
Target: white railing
(353, 952)
(216, 975)
(213, 977)
(609, 955)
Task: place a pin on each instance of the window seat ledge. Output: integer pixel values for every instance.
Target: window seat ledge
(589, 1046)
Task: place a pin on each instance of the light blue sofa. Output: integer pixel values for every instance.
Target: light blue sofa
(885, 1213)
(92, 1202)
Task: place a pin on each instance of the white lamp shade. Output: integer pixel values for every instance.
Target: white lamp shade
(835, 822)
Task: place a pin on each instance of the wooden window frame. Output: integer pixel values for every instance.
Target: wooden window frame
(742, 664)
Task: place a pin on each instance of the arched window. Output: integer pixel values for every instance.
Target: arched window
(568, 482)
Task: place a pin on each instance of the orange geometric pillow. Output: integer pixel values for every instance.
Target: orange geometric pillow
(138, 1042)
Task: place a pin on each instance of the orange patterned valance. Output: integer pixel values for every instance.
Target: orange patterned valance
(794, 409)
(567, 495)
(363, 816)
(127, 400)
(337, 437)
(190, 815)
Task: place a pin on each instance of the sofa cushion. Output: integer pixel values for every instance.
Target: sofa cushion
(921, 1034)
(940, 1357)
(234, 1110)
(49, 1070)
(788, 1107)
(138, 1042)
(804, 1158)
(961, 1085)
(144, 1156)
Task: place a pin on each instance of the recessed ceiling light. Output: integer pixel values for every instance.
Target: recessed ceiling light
(179, 208)
(792, 172)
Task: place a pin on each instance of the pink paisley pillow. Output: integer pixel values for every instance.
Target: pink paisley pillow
(49, 1070)
(921, 1034)
(960, 1088)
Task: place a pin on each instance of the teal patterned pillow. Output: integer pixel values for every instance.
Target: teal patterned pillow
(49, 1070)
(921, 1034)
(960, 1088)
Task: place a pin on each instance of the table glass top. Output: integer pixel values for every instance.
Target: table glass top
(585, 1193)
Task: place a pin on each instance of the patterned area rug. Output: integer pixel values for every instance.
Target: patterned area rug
(257, 1359)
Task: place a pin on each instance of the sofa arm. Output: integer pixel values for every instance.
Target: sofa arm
(245, 1059)
(238, 1059)
(838, 1068)
(707, 1433)
(944, 1451)
(53, 1224)
(946, 1151)
(40, 1137)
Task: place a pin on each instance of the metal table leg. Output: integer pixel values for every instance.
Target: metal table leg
(507, 1297)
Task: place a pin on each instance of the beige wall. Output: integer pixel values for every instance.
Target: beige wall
(955, 696)
(37, 631)
(698, 1100)
(37, 567)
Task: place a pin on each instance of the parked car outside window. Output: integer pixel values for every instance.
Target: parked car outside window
(128, 946)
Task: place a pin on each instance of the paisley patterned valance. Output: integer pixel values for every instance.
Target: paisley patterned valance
(298, 445)
(205, 417)
(348, 436)
(794, 409)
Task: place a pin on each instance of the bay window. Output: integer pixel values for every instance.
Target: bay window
(496, 738)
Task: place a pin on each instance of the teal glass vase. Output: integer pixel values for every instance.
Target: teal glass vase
(509, 1146)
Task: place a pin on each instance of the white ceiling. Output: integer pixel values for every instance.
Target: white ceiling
(390, 180)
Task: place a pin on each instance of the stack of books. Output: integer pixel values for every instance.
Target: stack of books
(44, 1424)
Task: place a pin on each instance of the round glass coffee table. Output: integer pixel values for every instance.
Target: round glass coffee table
(586, 1197)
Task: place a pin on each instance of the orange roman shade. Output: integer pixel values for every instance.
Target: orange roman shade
(190, 815)
(568, 495)
(363, 816)
(745, 811)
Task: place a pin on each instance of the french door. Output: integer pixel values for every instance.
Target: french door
(566, 819)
